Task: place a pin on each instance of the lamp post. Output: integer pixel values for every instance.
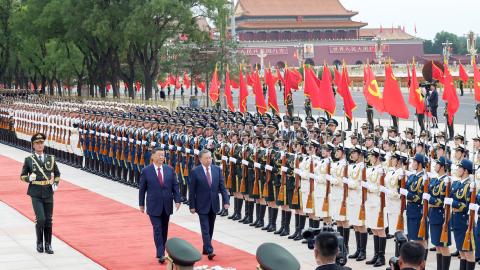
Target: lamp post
(447, 48)
(378, 49)
(471, 46)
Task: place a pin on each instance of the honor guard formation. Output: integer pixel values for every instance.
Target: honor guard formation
(410, 185)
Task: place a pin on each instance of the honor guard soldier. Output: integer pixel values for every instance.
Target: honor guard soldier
(271, 256)
(436, 212)
(42, 174)
(460, 202)
(294, 184)
(338, 199)
(393, 182)
(181, 254)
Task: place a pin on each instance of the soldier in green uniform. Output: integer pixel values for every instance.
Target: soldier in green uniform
(37, 171)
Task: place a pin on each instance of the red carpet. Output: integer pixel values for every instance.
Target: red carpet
(112, 234)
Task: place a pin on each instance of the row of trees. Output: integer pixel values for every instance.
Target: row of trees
(92, 43)
(459, 43)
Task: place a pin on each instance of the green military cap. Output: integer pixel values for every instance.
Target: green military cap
(181, 252)
(271, 256)
(38, 137)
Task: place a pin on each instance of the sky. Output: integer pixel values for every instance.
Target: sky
(429, 16)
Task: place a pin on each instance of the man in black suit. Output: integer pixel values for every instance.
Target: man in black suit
(433, 104)
(326, 249)
(412, 257)
(160, 183)
(206, 182)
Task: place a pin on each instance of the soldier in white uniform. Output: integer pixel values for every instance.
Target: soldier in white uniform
(321, 172)
(392, 184)
(355, 175)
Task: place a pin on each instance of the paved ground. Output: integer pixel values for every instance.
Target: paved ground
(17, 233)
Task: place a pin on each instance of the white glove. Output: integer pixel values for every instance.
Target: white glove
(284, 169)
(153, 144)
(426, 196)
(196, 151)
(171, 147)
(345, 180)
(179, 148)
(245, 162)
(473, 206)
(224, 158)
(297, 171)
(383, 189)
(328, 177)
(54, 187)
(268, 168)
(448, 201)
(232, 159)
(257, 165)
(364, 184)
(404, 192)
(32, 177)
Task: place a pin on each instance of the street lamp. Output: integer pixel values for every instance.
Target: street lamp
(447, 49)
(378, 49)
(471, 46)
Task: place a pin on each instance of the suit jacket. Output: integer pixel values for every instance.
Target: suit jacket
(433, 99)
(330, 267)
(202, 197)
(159, 198)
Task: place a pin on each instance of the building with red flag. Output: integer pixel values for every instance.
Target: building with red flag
(287, 32)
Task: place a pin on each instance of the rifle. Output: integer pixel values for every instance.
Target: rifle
(135, 159)
(446, 223)
(231, 167)
(187, 157)
(84, 147)
(380, 221)
(130, 146)
(266, 193)
(361, 214)
(343, 208)
(124, 145)
(195, 146)
(118, 153)
(297, 181)
(467, 242)
(69, 133)
(112, 142)
(170, 142)
(256, 183)
(423, 223)
(143, 149)
(243, 185)
(281, 193)
(403, 205)
(326, 205)
(312, 186)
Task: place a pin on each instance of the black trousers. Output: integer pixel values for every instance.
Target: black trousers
(160, 232)
(421, 121)
(43, 208)
(433, 110)
(207, 224)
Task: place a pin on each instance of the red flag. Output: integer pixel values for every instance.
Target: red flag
(270, 80)
(476, 81)
(258, 91)
(392, 96)
(186, 80)
(343, 90)
(321, 95)
(171, 79)
(202, 86)
(371, 91)
(279, 76)
(338, 77)
(450, 95)
(437, 73)
(228, 92)
(250, 79)
(234, 84)
(292, 80)
(109, 86)
(409, 77)
(242, 97)
(462, 73)
(214, 90)
(415, 97)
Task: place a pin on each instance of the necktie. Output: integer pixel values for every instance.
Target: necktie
(209, 179)
(160, 177)
(41, 158)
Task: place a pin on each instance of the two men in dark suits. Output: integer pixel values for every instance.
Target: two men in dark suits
(159, 182)
(206, 182)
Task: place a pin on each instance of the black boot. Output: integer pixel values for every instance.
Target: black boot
(235, 208)
(39, 232)
(251, 206)
(470, 266)
(310, 226)
(270, 216)
(239, 210)
(362, 255)
(357, 239)
(375, 248)
(382, 242)
(257, 215)
(346, 237)
(286, 230)
(301, 226)
(261, 217)
(247, 213)
(273, 226)
(439, 261)
(446, 262)
(48, 240)
(297, 222)
(282, 224)
(463, 264)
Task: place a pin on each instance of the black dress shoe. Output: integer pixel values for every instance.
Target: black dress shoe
(210, 256)
(48, 248)
(161, 260)
(225, 213)
(40, 247)
(204, 253)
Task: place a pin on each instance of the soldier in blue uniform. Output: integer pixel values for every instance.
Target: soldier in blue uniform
(414, 195)
(461, 191)
(436, 212)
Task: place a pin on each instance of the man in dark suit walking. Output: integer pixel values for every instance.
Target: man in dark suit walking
(206, 182)
(160, 183)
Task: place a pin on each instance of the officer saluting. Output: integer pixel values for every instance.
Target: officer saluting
(37, 171)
